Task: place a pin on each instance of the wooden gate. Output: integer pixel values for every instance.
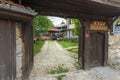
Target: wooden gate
(6, 50)
(97, 49)
(93, 44)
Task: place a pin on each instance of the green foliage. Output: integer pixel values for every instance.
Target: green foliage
(77, 24)
(60, 77)
(59, 69)
(41, 24)
(38, 46)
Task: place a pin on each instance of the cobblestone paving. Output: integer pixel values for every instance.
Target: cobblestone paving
(53, 54)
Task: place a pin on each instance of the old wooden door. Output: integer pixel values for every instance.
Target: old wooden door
(97, 47)
(6, 51)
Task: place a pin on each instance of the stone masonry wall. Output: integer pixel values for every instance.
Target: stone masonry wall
(114, 51)
(19, 52)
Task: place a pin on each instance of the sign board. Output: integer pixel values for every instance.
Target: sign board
(116, 26)
(98, 25)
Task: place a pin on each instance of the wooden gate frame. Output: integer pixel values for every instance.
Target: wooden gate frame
(13, 16)
(84, 42)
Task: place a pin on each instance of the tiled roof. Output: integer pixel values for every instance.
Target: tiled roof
(54, 30)
(10, 5)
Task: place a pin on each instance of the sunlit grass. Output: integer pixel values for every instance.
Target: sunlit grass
(74, 50)
(67, 44)
(38, 46)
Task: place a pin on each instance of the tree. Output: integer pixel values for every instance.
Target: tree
(77, 24)
(41, 24)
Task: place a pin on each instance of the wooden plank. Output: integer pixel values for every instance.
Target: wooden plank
(13, 49)
(7, 52)
(28, 41)
(81, 45)
(7, 14)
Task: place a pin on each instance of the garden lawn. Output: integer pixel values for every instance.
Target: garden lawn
(38, 46)
(67, 44)
(74, 50)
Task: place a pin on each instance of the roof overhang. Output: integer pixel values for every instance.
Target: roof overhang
(75, 8)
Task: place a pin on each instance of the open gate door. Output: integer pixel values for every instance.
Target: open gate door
(93, 44)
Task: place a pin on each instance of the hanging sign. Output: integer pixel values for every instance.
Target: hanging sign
(116, 26)
(98, 25)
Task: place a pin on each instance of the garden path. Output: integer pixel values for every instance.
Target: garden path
(51, 56)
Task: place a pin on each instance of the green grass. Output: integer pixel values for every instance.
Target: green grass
(23, 78)
(60, 77)
(59, 69)
(67, 44)
(38, 46)
(74, 50)
(76, 63)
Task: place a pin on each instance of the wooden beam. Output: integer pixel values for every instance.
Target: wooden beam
(78, 6)
(15, 15)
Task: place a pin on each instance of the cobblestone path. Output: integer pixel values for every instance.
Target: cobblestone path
(53, 54)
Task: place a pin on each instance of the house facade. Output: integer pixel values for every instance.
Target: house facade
(70, 28)
(66, 29)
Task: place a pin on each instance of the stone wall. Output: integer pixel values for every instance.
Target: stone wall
(114, 51)
(19, 51)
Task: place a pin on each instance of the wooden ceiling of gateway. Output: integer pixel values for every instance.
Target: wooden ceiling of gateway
(74, 8)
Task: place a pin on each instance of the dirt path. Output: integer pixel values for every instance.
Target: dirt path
(52, 54)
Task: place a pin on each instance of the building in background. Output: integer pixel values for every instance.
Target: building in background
(70, 28)
(66, 29)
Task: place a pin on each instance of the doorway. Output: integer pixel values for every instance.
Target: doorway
(97, 49)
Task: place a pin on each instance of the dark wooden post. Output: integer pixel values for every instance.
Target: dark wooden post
(84, 42)
(81, 45)
(28, 40)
